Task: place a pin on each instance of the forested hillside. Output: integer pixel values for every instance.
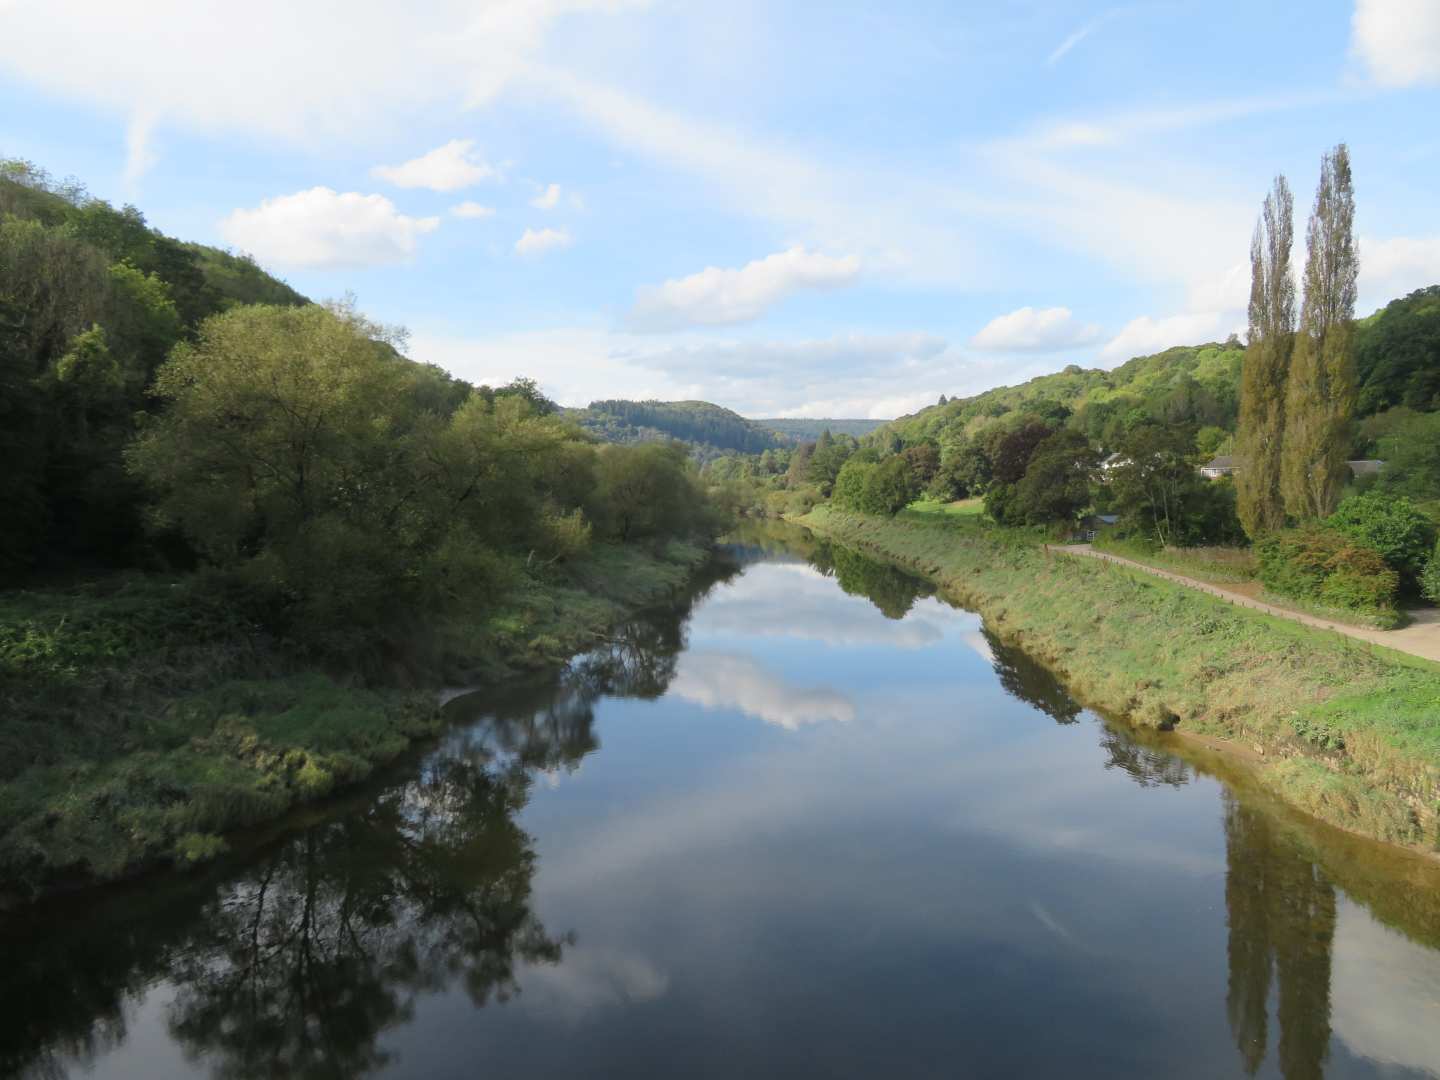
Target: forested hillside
(92, 300)
(1397, 359)
(804, 430)
(708, 427)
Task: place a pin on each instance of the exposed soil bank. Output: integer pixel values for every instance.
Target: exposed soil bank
(1342, 730)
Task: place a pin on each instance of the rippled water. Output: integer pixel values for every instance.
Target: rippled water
(820, 824)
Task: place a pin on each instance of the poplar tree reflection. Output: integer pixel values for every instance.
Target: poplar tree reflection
(1282, 924)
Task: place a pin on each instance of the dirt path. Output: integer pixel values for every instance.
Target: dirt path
(1421, 638)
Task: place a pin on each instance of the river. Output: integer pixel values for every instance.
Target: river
(815, 821)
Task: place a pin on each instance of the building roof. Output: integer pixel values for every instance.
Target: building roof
(1365, 467)
(1224, 461)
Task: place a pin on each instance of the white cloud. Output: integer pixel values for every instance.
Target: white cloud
(1394, 267)
(734, 681)
(1145, 335)
(325, 229)
(536, 242)
(446, 168)
(306, 71)
(1398, 40)
(547, 199)
(1035, 330)
(717, 297)
(468, 209)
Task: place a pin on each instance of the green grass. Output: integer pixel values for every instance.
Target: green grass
(1166, 656)
(1217, 565)
(143, 718)
(960, 508)
(1237, 566)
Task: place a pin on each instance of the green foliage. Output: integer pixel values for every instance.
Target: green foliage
(1395, 527)
(1057, 480)
(870, 487)
(1397, 354)
(827, 457)
(1196, 385)
(698, 422)
(802, 430)
(1322, 564)
(648, 491)
(1409, 444)
(850, 485)
(1320, 391)
(889, 489)
(1430, 580)
(1157, 492)
(75, 271)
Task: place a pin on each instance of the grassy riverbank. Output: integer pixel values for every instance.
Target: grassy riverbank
(1348, 733)
(141, 717)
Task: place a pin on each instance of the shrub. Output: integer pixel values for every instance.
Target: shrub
(1323, 564)
(849, 492)
(1393, 526)
(1430, 580)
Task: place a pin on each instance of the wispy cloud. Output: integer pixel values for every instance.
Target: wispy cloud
(1080, 35)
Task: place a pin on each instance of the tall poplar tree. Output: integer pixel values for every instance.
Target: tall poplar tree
(1321, 394)
(1266, 366)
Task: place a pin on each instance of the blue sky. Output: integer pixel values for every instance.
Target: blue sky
(786, 208)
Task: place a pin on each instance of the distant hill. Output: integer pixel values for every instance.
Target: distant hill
(1397, 359)
(802, 430)
(711, 429)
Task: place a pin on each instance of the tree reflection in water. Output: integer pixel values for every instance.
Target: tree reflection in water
(891, 590)
(1030, 681)
(1280, 905)
(1282, 924)
(299, 964)
(329, 940)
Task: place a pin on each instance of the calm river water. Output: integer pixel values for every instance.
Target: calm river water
(816, 822)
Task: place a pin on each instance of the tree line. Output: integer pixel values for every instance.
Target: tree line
(287, 452)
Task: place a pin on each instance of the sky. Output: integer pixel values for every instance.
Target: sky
(785, 207)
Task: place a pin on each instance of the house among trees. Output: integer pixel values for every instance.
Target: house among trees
(1225, 465)
(1091, 525)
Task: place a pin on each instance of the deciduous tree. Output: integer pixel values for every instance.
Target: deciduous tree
(1267, 365)
(1320, 398)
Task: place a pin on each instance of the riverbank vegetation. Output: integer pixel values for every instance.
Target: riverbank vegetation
(241, 536)
(1347, 732)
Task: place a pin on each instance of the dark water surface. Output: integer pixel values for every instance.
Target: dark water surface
(820, 824)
